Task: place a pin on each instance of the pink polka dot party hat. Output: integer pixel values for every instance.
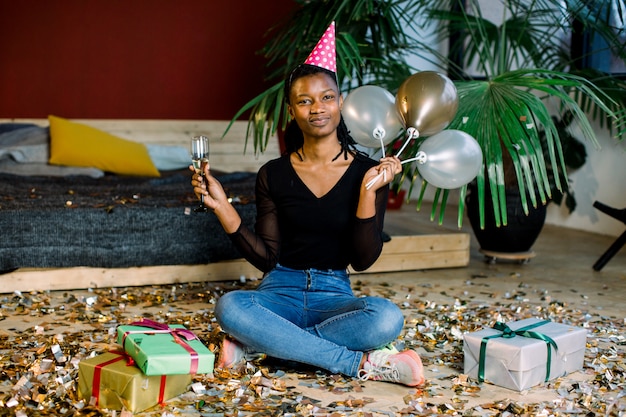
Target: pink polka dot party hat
(323, 55)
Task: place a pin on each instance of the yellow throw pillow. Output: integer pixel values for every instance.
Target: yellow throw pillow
(75, 144)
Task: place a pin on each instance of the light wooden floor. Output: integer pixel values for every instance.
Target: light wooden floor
(563, 260)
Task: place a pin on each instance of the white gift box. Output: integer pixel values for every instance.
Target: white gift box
(519, 362)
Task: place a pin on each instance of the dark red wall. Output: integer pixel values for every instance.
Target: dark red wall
(132, 59)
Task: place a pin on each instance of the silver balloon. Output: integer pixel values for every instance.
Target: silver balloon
(371, 116)
(449, 159)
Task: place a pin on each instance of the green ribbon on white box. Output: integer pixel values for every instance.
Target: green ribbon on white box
(508, 333)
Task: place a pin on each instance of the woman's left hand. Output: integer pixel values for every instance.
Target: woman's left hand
(385, 171)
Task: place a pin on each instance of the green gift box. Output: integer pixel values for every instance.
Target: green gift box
(109, 381)
(159, 349)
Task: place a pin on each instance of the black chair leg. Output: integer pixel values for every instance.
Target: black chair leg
(606, 256)
(618, 214)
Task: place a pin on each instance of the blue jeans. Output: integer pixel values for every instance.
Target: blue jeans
(309, 316)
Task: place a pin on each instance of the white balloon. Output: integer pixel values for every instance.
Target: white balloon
(371, 116)
(451, 159)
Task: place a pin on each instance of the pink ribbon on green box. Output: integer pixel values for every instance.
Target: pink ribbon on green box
(508, 333)
(176, 333)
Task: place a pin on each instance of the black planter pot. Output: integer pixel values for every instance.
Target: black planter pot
(521, 231)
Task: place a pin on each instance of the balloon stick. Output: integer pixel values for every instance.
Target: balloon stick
(420, 157)
(375, 179)
(379, 133)
(412, 133)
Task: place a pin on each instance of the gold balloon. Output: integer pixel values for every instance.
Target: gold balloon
(427, 101)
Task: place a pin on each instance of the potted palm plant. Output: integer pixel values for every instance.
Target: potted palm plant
(522, 72)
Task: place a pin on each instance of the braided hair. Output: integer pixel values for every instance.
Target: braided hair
(294, 138)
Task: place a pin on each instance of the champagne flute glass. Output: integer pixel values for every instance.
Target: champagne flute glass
(199, 158)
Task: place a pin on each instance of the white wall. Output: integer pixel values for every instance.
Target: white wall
(602, 178)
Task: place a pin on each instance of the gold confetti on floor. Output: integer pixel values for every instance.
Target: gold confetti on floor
(44, 335)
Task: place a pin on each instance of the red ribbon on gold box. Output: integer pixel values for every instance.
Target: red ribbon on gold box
(112, 381)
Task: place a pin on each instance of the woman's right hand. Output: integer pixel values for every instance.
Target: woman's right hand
(209, 186)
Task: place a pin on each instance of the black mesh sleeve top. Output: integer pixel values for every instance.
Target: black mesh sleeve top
(298, 230)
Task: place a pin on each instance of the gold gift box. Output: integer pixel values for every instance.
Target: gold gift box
(123, 385)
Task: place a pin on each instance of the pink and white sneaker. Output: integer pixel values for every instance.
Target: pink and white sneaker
(392, 366)
(232, 356)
